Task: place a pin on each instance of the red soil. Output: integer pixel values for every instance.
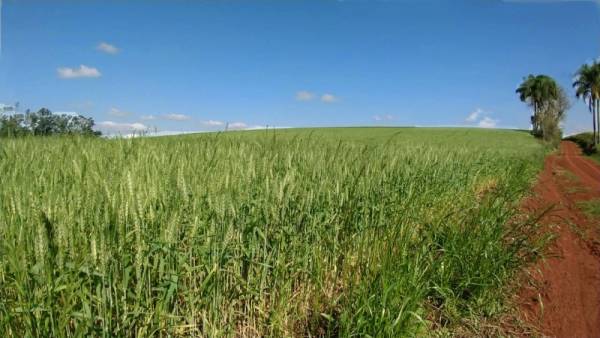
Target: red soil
(566, 299)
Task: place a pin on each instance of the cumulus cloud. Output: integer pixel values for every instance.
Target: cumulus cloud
(176, 117)
(74, 73)
(487, 122)
(387, 117)
(258, 127)
(213, 123)
(112, 126)
(118, 113)
(474, 115)
(304, 95)
(237, 125)
(169, 117)
(107, 48)
(482, 119)
(328, 98)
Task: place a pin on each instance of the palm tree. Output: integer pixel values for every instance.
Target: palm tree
(587, 87)
(537, 91)
(525, 92)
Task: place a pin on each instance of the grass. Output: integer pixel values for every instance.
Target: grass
(591, 208)
(326, 232)
(586, 143)
(567, 174)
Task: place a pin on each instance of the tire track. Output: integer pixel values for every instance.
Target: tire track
(566, 302)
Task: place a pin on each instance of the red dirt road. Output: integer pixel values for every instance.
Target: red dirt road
(566, 301)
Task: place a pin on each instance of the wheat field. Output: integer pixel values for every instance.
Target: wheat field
(284, 233)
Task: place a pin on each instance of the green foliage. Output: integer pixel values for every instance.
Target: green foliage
(585, 142)
(587, 88)
(13, 126)
(332, 232)
(44, 123)
(591, 207)
(549, 103)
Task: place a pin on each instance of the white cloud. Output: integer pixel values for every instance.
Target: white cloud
(176, 117)
(170, 117)
(151, 133)
(304, 95)
(118, 113)
(67, 113)
(73, 73)
(237, 125)
(213, 123)
(112, 126)
(487, 122)
(107, 48)
(474, 115)
(482, 119)
(328, 98)
(6, 108)
(387, 117)
(257, 127)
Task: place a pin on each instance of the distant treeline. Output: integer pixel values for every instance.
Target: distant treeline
(45, 123)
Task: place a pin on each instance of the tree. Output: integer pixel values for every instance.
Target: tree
(538, 91)
(80, 125)
(13, 125)
(41, 123)
(44, 123)
(551, 114)
(587, 88)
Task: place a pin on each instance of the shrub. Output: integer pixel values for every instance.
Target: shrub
(585, 142)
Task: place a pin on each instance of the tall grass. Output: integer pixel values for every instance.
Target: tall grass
(256, 235)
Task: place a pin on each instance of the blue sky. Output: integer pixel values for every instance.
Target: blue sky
(196, 65)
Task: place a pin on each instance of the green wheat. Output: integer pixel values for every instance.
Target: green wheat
(347, 232)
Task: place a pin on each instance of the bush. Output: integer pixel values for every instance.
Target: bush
(585, 142)
(552, 134)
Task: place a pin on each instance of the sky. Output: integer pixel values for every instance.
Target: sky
(176, 66)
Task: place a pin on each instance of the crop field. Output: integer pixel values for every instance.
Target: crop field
(304, 232)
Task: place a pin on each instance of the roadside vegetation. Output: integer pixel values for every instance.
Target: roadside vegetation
(331, 232)
(585, 141)
(591, 208)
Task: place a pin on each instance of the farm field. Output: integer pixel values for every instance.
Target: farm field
(296, 232)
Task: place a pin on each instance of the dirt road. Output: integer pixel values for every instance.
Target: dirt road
(566, 302)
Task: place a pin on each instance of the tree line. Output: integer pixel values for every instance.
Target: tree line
(549, 101)
(45, 123)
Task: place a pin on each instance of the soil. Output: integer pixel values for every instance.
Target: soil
(562, 298)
